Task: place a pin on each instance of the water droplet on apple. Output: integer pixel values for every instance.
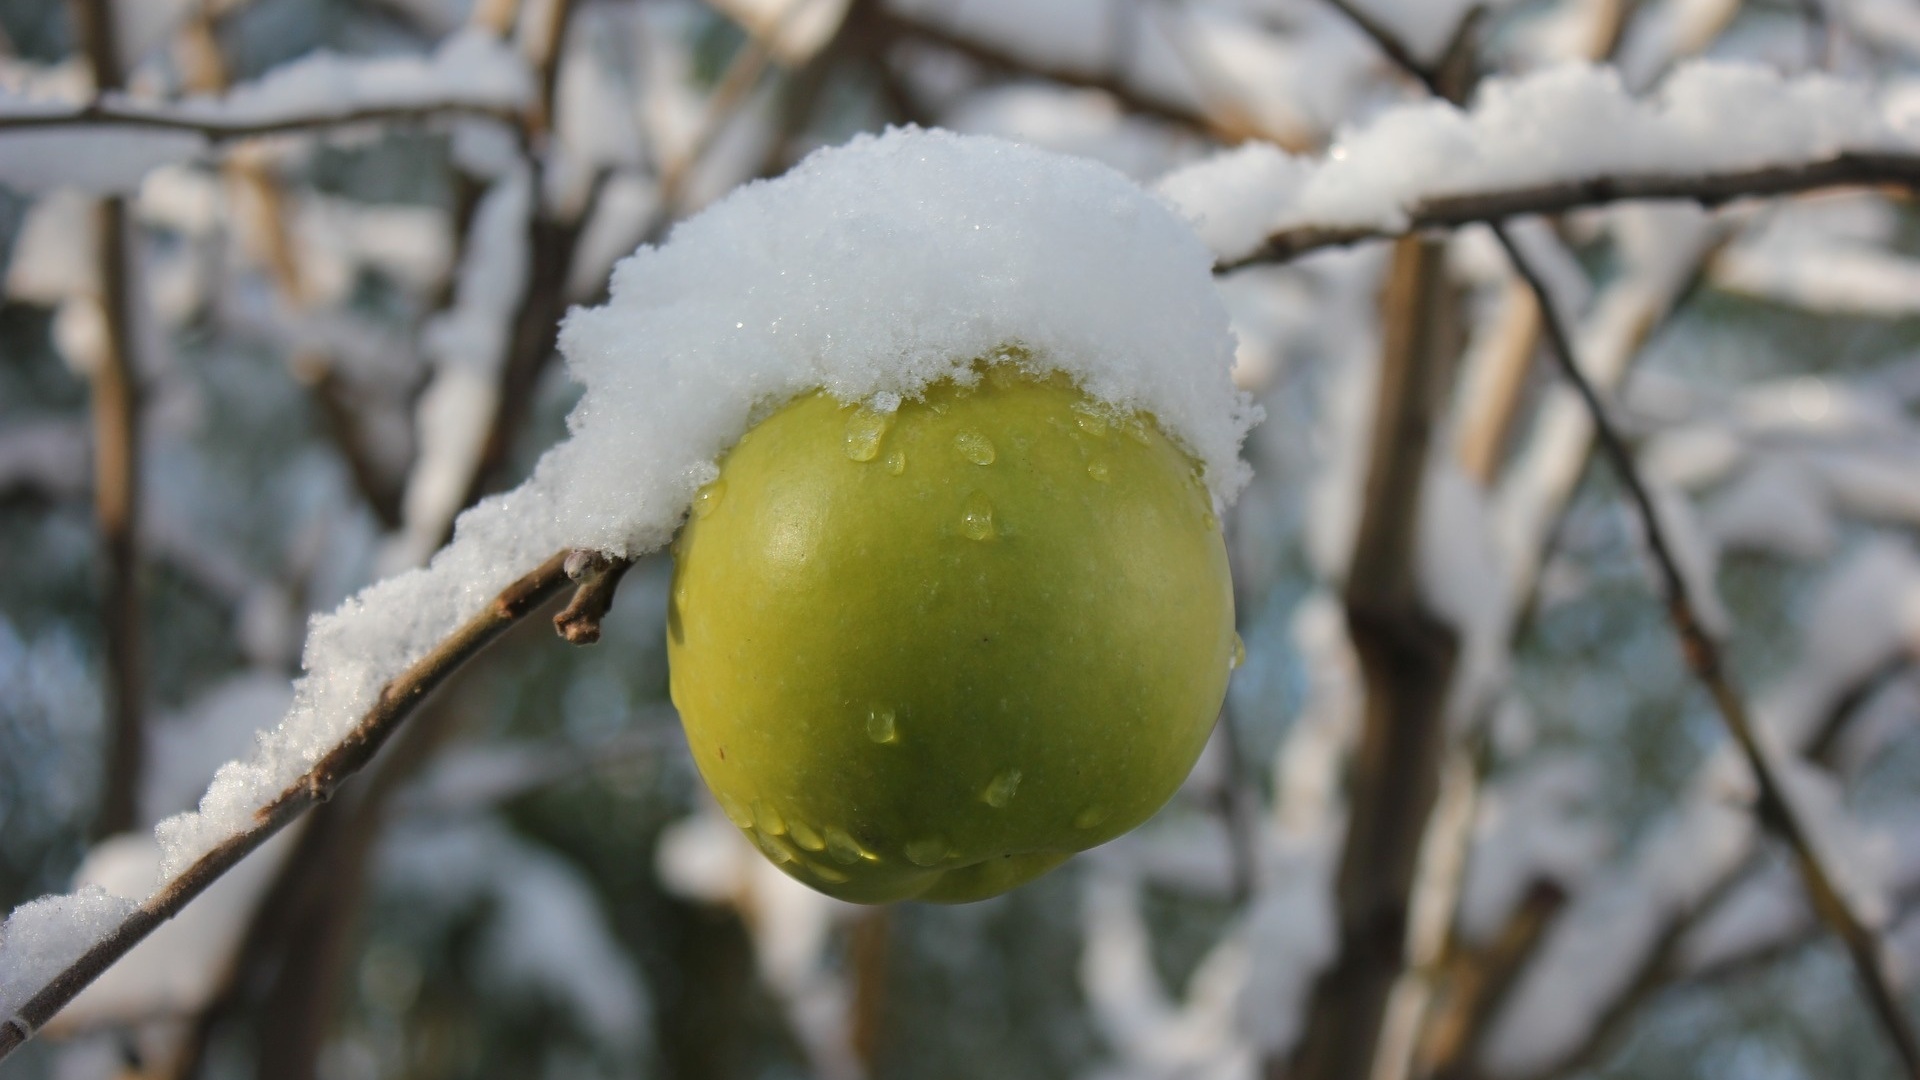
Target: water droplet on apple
(767, 819)
(1091, 816)
(1136, 429)
(865, 429)
(708, 498)
(976, 517)
(1000, 792)
(804, 835)
(896, 461)
(845, 849)
(735, 810)
(775, 850)
(1239, 654)
(975, 447)
(928, 852)
(826, 873)
(881, 728)
(1089, 421)
(1097, 470)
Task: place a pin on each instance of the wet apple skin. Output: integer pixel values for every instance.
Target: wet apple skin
(932, 654)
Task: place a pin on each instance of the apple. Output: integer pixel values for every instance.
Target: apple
(930, 654)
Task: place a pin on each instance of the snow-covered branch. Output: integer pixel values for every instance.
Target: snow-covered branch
(1849, 169)
(1433, 165)
(87, 933)
(110, 142)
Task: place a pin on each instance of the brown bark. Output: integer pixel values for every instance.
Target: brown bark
(115, 405)
(1406, 659)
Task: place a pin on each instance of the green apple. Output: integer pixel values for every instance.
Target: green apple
(933, 653)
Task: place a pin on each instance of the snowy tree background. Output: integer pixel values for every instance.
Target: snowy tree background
(281, 285)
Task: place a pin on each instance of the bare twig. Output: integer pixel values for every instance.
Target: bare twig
(1702, 654)
(345, 426)
(1846, 169)
(398, 700)
(1132, 98)
(730, 96)
(551, 242)
(1479, 979)
(1389, 43)
(599, 579)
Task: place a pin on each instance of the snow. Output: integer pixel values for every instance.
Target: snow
(181, 965)
(543, 931)
(1463, 580)
(43, 936)
(471, 68)
(99, 160)
(1514, 135)
(49, 456)
(1593, 951)
(1861, 613)
(467, 345)
(876, 268)
(1773, 506)
(1531, 827)
(183, 752)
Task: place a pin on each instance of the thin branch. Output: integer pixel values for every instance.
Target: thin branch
(1846, 169)
(1477, 980)
(115, 405)
(551, 242)
(108, 112)
(344, 424)
(1702, 654)
(1390, 43)
(1769, 950)
(398, 700)
(1129, 97)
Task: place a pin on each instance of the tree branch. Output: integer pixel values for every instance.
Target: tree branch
(1846, 169)
(398, 700)
(1702, 653)
(109, 112)
(1406, 659)
(1477, 980)
(114, 400)
(1129, 97)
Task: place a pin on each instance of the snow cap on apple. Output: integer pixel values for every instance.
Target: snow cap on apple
(954, 418)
